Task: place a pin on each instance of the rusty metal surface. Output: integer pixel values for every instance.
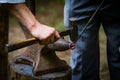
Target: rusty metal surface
(27, 71)
(42, 59)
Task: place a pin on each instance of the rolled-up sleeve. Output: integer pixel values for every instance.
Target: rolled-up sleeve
(12, 1)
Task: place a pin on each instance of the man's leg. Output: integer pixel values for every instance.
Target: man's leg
(85, 58)
(111, 25)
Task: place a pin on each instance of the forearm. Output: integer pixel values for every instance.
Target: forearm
(38, 30)
(24, 15)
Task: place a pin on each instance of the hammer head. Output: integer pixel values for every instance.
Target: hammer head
(74, 31)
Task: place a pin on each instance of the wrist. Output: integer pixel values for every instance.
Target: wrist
(32, 25)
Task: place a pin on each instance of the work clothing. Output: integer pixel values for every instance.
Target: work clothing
(85, 58)
(12, 1)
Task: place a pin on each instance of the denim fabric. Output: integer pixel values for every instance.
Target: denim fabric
(81, 8)
(12, 1)
(66, 13)
(85, 58)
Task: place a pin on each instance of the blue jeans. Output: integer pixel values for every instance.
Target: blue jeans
(85, 58)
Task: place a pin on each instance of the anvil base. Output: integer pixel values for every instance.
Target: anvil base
(26, 70)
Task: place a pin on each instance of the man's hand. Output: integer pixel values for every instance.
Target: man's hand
(44, 33)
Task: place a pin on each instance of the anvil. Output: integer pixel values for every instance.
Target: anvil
(42, 57)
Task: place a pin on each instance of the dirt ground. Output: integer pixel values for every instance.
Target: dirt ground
(53, 16)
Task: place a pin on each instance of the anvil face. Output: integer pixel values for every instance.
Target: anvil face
(42, 59)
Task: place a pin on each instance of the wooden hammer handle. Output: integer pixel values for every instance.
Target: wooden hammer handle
(30, 41)
(21, 44)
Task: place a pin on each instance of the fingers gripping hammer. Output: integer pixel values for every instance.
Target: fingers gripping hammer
(30, 41)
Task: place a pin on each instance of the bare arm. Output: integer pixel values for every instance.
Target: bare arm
(38, 30)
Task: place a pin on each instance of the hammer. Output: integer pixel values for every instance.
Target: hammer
(30, 41)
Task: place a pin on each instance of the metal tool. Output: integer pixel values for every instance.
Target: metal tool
(30, 41)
